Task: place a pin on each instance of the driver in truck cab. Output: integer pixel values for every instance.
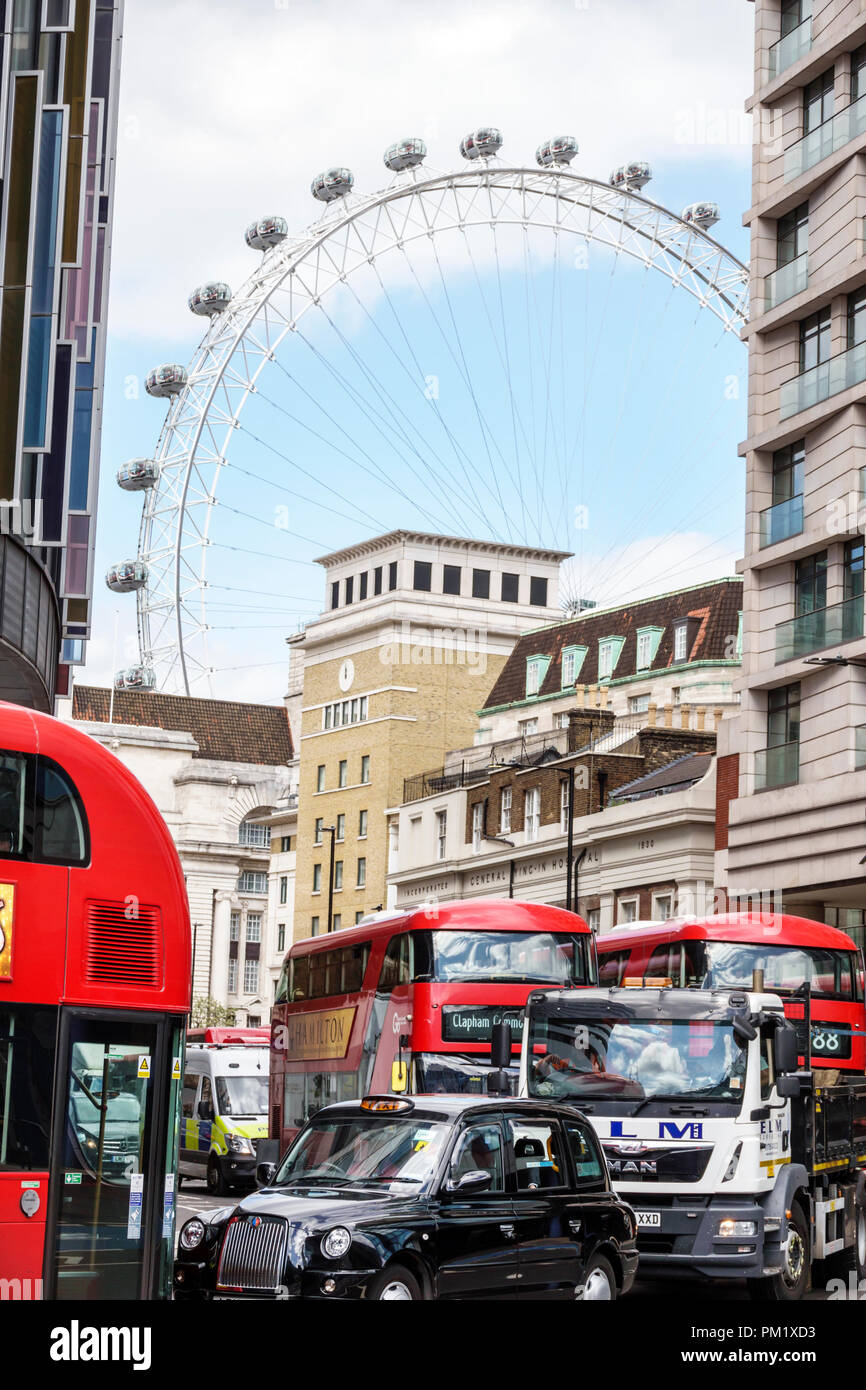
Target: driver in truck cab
(578, 1069)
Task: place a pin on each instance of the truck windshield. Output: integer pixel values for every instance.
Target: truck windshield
(509, 957)
(242, 1096)
(399, 1154)
(636, 1059)
(831, 974)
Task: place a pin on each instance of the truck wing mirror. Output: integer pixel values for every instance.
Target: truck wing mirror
(785, 1050)
(788, 1087)
(744, 1029)
(500, 1046)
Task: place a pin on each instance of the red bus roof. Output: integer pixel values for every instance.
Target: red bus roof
(780, 928)
(230, 1037)
(478, 914)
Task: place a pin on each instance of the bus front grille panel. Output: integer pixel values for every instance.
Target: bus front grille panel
(253, 1254)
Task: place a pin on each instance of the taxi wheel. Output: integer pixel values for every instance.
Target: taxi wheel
(216, 1183)
(599, 1282)
(394, 1284)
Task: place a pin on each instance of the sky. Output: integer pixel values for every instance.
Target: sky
(230, 107)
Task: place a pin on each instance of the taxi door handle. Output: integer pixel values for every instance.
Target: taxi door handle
(507, 1230)
(575, 1227)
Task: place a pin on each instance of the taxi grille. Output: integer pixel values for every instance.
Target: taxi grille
(253, 1254)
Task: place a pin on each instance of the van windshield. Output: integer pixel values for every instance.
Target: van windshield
(242, 1097)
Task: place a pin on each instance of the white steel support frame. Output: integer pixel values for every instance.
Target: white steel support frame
(294, 277)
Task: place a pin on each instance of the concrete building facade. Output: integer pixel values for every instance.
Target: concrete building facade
(792, 768)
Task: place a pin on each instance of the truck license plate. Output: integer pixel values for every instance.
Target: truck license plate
(649, 1218)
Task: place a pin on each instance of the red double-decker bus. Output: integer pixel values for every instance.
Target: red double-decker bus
(94, 994)
(407, 1000)
(812, 967)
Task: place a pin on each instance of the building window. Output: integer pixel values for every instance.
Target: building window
(783, 715)
(648, 640)
(451, 579)
(561, 721)
(320, 824)
(536, 670)
(317, 878)
(250, 882)
(788, 464)
(563, 805)
(362, 585)
(605, 660)
(858, 73)
(532, 812)
(538, 592)
(345, 712)
(320, 778)
(284, 890)
(423, 576)
(233, 976)
(810, 583)
(377, 580)
(253, 836)
(481, 583)
(818, 101)
(814, 339)
(510, 588)
(362, 825)
(527, 727)
(338, 921)
(626, 910)
(681, 642)
(335, 595)
(254, 926)
(392, 575)
(676, 695)
(350, 588)
(856, 317)
(663, 907)
(852, 572)
(338, 876)
(365, 768)
(251, 975)
(281, 937)
(362, 873)
(285, 844)
(359, 916)
(477, 825)
(638, 704)
(505, 811)
(343, 773)
(572, 660)
(441, 833)
(341, 826)
(792, 235)
(235, 926)
(314, 926)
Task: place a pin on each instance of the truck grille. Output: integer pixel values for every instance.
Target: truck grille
(253, 1254)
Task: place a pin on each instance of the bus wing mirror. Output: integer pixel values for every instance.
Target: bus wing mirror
(500, 1046)
(399, 1076)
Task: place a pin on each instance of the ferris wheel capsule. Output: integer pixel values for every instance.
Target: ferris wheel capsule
(634, 175)
(703, 215)
(560, 150)
(127, 577)
(482, 143)
(138, 475)
(136, 678)
(406, 154)
(266, 232)
(211, 299)
(168, 380)
(332, 184)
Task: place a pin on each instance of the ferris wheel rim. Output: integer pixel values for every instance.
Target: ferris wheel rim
(227, 333)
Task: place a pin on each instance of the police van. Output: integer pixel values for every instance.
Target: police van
(225, 1108)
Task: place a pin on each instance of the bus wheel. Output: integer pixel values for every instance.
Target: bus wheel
(216, 1183)
(790, 1285)
(599, 1282)
(394, 1284)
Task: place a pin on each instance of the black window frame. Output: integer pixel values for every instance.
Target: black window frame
(377, 580)
(819, 101)
(392, 576)
(510, 581)
(816, 330)
(538, 587)
(792, 235)
(481, 583)
(452, 577)
(788, 468)
(422, 576)
(362, 586)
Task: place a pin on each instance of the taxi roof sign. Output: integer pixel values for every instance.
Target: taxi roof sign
(386, 1103)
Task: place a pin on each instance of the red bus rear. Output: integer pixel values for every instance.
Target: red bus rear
(94, 993)
(721, 952)
(410, 999)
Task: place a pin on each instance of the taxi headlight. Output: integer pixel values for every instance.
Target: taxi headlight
(335, 1244)
(192, 1234)
(737, 1229)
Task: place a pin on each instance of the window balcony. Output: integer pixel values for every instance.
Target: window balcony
(791, 48)
(825, 627)
(777, 767)
(782, 521)
(819, 383)
(786, 281)
(825, 139)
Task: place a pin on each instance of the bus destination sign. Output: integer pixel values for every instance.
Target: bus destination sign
(463, 1023)
(320, 1035)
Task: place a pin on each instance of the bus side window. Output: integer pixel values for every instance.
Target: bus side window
(690, 967)
(13, 795)
(658, 965)
(300, 987)
(60, 829)
(396, 967)
(612, 968)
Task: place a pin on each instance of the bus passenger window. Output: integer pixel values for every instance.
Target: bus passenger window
(13, 790)
(612, 968)
(61, 836)
(396, 967)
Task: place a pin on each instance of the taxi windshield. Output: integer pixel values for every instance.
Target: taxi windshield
(636, 1060)
(388, 1152)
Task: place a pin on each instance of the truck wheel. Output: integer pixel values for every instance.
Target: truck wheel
(791, 1284)
(852, 1260)
(216, 1183)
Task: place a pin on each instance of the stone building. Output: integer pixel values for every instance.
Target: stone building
(224, 777)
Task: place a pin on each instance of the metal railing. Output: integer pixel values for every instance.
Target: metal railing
(475, 766)
(825, 139)
(778, 766)
(786, 281)
(791, 48)
(781, 521)
(825, 380)
(823, 627)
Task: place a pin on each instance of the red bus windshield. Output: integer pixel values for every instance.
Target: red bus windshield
(787, 969)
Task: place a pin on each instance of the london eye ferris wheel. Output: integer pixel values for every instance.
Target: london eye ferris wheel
(421, 356)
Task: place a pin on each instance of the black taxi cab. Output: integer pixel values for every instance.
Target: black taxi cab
(435, 1197)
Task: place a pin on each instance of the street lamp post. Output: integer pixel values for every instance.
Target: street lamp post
(569, 778)
(332, 831)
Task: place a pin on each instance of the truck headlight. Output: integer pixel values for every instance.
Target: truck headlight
(737, 1229)
(336, 1242)
(192, 1234)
